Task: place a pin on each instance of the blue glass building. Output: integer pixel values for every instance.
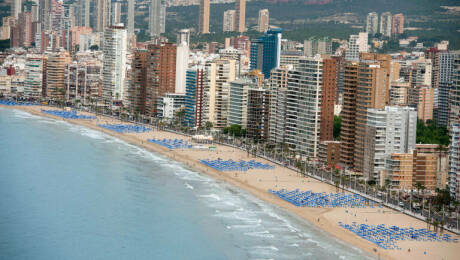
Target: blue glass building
(265, 52)
(194, 97)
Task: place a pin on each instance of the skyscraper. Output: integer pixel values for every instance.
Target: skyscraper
(116, 12)
(130, 17)
(181, 65)
(357, 44)
(229, 21)
(240, 9)
(372, 23)
(266, 52)
(103, 15)
(138, 82)
(83, 13)
(55, 87)
(44, 8)
(221, 72)
(33, 82)
(382, 128)
(315, 46)
(161, 74)
(203, 23)
(264, 20)
(371, 76)
(302, 104)
(16, 8)
(386, 24)
(446, 69)
(155, 18)
(114, 71)
(196, 97)
(398, 24)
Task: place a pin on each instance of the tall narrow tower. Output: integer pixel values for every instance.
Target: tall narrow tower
(16, 8)
(240, 9)
(155, 18)
(130, 17)
(204, 17)
(103, 14)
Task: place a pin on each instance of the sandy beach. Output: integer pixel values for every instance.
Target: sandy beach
(258, 182)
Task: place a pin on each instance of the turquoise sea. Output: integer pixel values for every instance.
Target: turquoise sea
(68, 192)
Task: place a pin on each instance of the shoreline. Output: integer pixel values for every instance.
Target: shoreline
(256, 183)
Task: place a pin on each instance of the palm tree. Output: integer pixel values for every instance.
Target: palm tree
(428, 221)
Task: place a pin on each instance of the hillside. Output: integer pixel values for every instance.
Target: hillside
(337, 18)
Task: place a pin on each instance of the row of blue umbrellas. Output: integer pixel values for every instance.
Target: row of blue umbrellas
(126, 128)
(171, 143)
(387, 237)
(231, 165)
(322, 200)
(67, 114)
(14, 103)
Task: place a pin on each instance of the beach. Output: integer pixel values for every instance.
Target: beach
(258, 182)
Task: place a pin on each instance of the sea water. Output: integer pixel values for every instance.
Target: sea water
(68, 192)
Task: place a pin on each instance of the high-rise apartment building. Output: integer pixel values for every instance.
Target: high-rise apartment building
(103, 15)
(221, 73)
(422, 98)
(405, 170)
(278, 104)
(161, 74)
(83, 80)
(240, 9)
(386, 20)
(366, 85)
(302, 104)
(229, 21)
(22, 34)
(454, 94)
(372, 23)
(421, 72)
(196, 97)
(45, 6)
(116, 12)
(33, 81)
(16, 8)
(136, 94)
(203, 23)
(114, 72)
(55, 87)
(82, 16)
(357, 44)
(264, 20)
(130, 18)
(182, 57)
(258, 113)
(454, 160)
(399, 92)
(266, 52)
(433, 54)
(397, 24)
(157, 16)
(314, 46)
(249, 107)
(387, 131)
(445, 84)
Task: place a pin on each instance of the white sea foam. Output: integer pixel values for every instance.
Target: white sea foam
(262, 234)
(212, 196)
(189, 186)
